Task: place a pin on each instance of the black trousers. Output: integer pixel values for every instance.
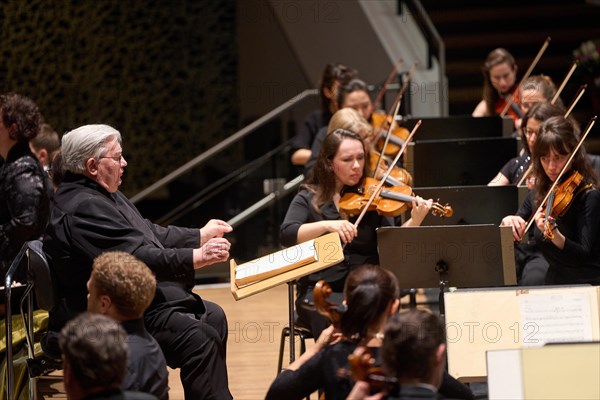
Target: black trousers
(194, 339)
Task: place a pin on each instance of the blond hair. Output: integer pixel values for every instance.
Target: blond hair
(128, 282)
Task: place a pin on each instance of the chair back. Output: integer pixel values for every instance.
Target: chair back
(44, 283)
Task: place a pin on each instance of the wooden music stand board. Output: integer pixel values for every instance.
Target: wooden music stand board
(285, 266)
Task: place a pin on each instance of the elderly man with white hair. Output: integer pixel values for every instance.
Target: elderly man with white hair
(91, 216)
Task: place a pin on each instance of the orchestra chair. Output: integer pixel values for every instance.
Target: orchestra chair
(41, 279)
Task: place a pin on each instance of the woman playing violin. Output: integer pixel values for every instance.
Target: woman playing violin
(372, 297)
(568, 231)
(530, 263)
(499, 83)
(315, 210)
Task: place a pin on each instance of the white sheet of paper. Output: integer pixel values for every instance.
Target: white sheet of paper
(553, 318)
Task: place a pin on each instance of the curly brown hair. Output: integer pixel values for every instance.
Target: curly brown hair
(21, 112)
(128, 282)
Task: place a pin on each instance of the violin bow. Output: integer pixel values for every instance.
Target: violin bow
(387, 82)
(531, 67)
(564, 82)
(562, 171)
(387, 173)
(396, 107)
(567, 113)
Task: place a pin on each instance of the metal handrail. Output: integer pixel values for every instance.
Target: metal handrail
(266, 201)
(224, 144)
(218, 186)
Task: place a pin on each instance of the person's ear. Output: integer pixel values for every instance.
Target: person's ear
(105, 303)
(91, 166)
(42, 155)
(395, 306)
(440, 353)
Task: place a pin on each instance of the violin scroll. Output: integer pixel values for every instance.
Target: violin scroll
(332, 312)
(363, 368)
(439, 210)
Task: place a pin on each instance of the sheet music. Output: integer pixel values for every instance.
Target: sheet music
(558, 317)
(292, 257)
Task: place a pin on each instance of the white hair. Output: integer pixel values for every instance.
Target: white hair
(85, 142)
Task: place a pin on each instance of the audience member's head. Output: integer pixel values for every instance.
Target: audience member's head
(120, 286)
(414, 348)
(56, 170)
(45, 145)
(94, 353)
(20, 116)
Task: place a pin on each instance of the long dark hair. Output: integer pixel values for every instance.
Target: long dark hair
(331, 74)
(369, 289)
(490, 94)
(559, 135)
(322, 181)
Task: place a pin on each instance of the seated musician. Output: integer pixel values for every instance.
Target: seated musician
(530, 263)
(315, 211)
(371, 297)
(569, 234)
(414, 353)
(499, 83)
(92, 216)
(334, 76)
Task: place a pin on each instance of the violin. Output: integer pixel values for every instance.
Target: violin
(514, 111)
(333, 312)
(390, 202)
(559, 201)
(398, 176)
(398, 134)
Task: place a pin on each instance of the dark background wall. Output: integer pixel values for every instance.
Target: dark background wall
(161, 72)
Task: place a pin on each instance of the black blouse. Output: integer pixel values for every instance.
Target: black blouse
(579, 261)
(24, 202)
(362, 250)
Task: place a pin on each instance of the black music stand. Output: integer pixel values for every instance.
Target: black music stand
(471, 204)
(458, 162)
(464, 256)
(460, 126)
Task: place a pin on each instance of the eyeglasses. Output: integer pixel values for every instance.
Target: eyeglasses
(116, 158)
(530, 132)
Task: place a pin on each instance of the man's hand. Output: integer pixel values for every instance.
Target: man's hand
(214, 251)
(215, 228)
